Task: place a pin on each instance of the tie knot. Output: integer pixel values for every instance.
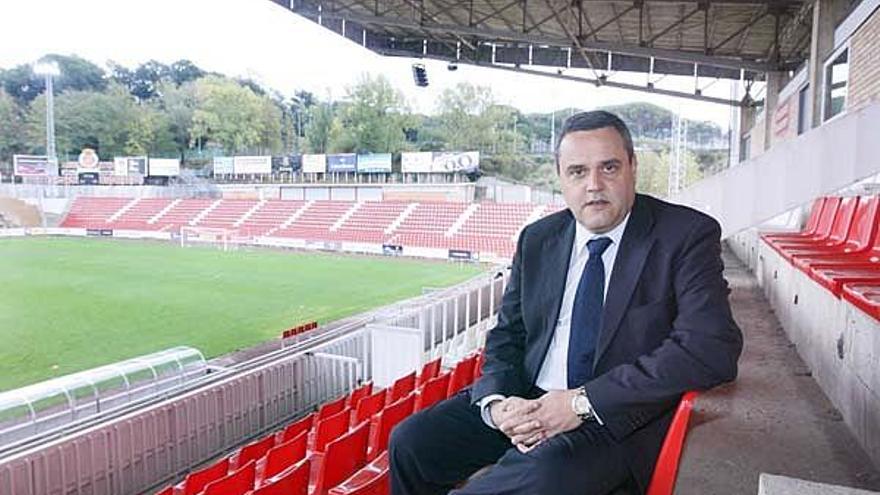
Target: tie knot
(598, 245)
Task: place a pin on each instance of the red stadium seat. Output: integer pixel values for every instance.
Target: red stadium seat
(386, 421)
(343, 458)
(358, 394)
(372, 479)
(237, 483)
(283, 456)
(834, 278)
(368, 406)
(666, 468)
(462, 376)
(252, 452)
(430, 370)
(823, 229)
(865, 296)
(293, 430)
(478, 365)
(293, 481)
(331, 428)
(196, 482)
(331, 408)
(809, 229)
(167, 491)
(840, 230)
(402, 387)
(432, 392)
(859, 241)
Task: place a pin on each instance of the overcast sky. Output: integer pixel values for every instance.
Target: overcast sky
(262, 41)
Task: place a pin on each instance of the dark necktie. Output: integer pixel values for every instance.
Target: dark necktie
(586, 315)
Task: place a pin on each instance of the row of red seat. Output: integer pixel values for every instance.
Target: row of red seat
(299, 329)
(839, 248)
(340, 449)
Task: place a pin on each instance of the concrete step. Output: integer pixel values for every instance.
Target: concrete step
(771, 484)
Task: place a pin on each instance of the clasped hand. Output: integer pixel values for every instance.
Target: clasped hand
(529, 422)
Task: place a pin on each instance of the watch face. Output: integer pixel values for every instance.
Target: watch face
(580, 405)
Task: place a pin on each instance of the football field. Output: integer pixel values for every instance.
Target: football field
(68, 304)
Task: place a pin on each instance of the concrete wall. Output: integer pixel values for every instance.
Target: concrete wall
(838, 342)
(793, 173)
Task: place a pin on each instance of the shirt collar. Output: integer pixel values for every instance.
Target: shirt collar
(582, 235)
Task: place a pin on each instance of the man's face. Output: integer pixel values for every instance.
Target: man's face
(597, 177)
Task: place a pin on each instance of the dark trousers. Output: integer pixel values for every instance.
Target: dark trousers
(435, 450)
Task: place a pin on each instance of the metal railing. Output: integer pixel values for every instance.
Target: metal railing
(140, 449)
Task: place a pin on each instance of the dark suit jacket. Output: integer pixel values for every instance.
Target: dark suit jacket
(666, 324)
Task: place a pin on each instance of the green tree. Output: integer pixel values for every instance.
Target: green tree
(86, 119)
(75, 74)
(12, 128)
(228, 115)
(177, 104)
(373, 117)
(320, 128)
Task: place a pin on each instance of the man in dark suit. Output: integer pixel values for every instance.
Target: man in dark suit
(615, 307)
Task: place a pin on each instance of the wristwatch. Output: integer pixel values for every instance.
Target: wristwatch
(581, 405)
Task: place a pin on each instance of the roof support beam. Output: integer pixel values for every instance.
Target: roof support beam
(672, 26)
(754, 20)
(617, 16)
(542, 39)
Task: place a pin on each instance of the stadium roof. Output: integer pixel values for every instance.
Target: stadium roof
(728, 39)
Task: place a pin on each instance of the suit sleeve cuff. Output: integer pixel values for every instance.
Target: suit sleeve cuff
(484, 404)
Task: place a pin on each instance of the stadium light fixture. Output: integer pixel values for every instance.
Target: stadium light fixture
(49, 70)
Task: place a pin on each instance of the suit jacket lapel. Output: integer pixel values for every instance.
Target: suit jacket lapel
(557, 253)
(634, 247)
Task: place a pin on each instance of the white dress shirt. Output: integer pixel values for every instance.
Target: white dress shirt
(553, 374)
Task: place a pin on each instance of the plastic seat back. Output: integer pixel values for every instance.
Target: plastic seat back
(359, 393)
(387, 420)
(666, 468)
(331, 408)
(294, 481)
(462, 376)
(369, 406)
(237, 483)
(255, 451)
(402, 387)
(285, 455)
(430, 370)
(197, 481)
(344, 456)
(432, 392)
(294, 430)
(331, 428)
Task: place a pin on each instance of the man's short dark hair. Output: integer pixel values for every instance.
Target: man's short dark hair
(589, 121)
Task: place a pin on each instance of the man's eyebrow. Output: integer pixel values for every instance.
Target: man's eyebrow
(611, 161)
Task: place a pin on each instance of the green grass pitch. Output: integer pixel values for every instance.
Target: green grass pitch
(71, 304)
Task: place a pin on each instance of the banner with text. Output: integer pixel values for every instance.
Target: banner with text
(342, 162)
(223, 165)
(374, 163)
(446, 162)
(32, 166)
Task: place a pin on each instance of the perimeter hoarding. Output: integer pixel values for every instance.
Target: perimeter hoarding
(32, 166)
(223, 165)
(164, 167)
(256, 165)
(314, 164)
(416, 162)
(342, 162)
(374, 163)
(461, 161)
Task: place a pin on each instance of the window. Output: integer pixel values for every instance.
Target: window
(836, 77)
(803, 123)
